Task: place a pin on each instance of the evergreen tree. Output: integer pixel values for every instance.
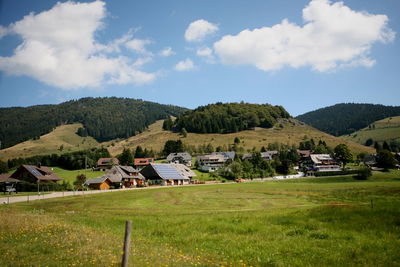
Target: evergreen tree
(125, 158)
(385, 159)
(139, 153)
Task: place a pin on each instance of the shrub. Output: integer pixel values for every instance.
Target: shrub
(363, 174)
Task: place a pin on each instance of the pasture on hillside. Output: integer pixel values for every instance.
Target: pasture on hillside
(303, 222)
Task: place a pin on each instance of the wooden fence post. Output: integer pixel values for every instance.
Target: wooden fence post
(127, 241)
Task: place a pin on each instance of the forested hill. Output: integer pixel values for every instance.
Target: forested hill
(229, 117)
(344, 119)
(103, 118)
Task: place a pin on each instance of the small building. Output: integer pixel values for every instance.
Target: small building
(104, 164)
(124, 176)
(324, 163)
(211, 163)
(163, 174)
(370, 160)
(140, 163)
(102, 183)
(35, 174)
(181, 158)
(8, 184)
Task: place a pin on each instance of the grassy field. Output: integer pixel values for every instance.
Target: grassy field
(290, 133)
(385, 130)
(70, 176)
(50, 143)
(304, 222)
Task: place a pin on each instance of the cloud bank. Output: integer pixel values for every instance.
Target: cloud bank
(58, 48)
(333, 36)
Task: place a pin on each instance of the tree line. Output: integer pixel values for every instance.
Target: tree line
(226, 118)
(103, 118)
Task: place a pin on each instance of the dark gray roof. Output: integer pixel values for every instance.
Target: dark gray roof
(97, 180)
(227, 154)
(186, 156)
(117, 173)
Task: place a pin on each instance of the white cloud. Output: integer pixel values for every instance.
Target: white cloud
(3, 31)
(333, 36)
(59, 49)
(185, 65)
(206, 53)
(199, 29)
(138, 45)
(166, 52)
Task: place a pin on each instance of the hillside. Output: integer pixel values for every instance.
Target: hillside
(383, 130)
(102, 118)
(229, 117)
(287, 131)
(342, 119)
(50, 143)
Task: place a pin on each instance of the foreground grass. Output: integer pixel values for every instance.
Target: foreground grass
(305, 222)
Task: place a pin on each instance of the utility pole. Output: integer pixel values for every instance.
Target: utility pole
(85, 166)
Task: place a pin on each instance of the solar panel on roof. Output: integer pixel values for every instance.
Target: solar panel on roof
(34, 171)
(167, 172)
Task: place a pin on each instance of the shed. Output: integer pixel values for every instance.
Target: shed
(102, 183)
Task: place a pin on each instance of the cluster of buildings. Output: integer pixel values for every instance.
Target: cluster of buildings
(177, 170)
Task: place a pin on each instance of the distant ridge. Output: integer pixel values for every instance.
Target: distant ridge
(102, 118)
(345, 118)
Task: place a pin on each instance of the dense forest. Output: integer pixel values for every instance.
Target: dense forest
(344, 119)
(103, 118)
(228, 118)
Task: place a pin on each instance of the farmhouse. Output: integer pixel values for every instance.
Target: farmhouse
(163, 174)
(229, 156)
(184, 170)
(8, 184)
(124, 176)
(102, 183)
(182, 158)
(140, 163)
(267, 155)
(210, 163)
(104, 164)
(324, 163)
(35, 174)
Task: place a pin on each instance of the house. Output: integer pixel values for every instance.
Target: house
(210, 163)
(304, 154)
(163, 174)
(35, 174)
(228, 155)
(182, 158)
(124, 176)
(104, 164)
(324, 163)
(184, 170)
(102, 183)
(267, 155)
(8, 184)
(140, 163)
(370, 160)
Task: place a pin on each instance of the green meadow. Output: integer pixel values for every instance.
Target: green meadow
(304, 222)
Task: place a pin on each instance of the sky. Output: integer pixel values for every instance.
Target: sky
(301, 54)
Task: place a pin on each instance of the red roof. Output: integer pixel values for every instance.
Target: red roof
(143, 161)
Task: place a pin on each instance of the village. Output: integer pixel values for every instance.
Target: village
(177, 169)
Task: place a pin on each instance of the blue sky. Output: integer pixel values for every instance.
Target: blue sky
(300, 54)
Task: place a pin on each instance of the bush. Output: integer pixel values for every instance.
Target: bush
(363, 174)
(345, 172)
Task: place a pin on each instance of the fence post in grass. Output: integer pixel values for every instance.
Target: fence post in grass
(127, 241)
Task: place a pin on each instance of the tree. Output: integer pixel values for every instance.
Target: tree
(236, 140)
(80, 179)
(167, 125)
(184, 132)
(172, 146)
(139, 153)
(385, 159)
(369, 142)
(377, 146)
(385, 146)
(3, 167)
(236, 169)
(125, 158)
(343, 154)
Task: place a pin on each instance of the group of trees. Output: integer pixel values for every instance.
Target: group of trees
(227, 118)
(71, 161)
(127, 156)
(103, 118)
(342, 119)
(393, 145)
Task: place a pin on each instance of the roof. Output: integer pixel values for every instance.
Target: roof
(184, 155)
(218, 157)
(304, 153)
(5, 178)
(143, 161)
(98, 180)
(184, 170)
(167, 172)
(42, 173)
(227, 154)
(318, 158)
(117, 173)
(107, 161)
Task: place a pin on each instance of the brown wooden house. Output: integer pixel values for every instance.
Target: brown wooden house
(35, 174)
(104, 164)
(102, 183)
